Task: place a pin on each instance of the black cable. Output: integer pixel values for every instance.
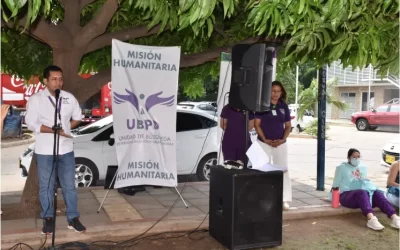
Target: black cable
(136, 240)
(195, 167)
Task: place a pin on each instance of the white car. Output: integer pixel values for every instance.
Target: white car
(196, 146)
(390, 152)
(207, 107)
(302, 123)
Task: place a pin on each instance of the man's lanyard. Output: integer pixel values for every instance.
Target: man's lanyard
(59, 106)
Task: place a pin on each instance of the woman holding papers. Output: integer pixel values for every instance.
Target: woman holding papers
(233, 141)
(273, 128)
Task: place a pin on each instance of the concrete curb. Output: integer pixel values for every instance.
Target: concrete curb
(18, 143)
(341, 124)
(303, 136)
(135, 228)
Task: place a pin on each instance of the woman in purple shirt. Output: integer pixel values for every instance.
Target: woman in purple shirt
(273, 128)
(232, 122)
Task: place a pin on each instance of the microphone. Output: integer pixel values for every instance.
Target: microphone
(57, 94)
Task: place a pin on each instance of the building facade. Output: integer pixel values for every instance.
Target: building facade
(361, 89)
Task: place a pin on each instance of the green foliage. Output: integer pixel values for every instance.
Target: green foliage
(308, 98)
(307, 72)
(14, 51)
(356, 32)
(34, 9)
(312, 128)
(287, 76)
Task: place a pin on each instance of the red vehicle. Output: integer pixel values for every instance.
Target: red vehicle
(386, 115)
(98, 106)
(15, 92)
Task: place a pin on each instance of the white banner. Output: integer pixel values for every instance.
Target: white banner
(225, 75)
(144, 90)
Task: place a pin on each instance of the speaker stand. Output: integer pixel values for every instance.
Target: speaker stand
(246, 136)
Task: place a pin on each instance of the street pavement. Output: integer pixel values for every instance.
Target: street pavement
(11, 179)
(302, 155)
(303, 152)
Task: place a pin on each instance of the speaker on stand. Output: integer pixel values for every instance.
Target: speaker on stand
(246, 208)
(252, 72)
(246, 205)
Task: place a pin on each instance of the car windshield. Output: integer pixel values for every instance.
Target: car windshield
(95, 126)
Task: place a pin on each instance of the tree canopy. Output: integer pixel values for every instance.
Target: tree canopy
(76, 34)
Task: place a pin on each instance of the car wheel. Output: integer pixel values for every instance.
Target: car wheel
(373, 128)
(86, 173)
(204, 167)
(362, 124)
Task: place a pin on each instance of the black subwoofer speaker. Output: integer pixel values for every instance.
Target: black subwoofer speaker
(246, 208)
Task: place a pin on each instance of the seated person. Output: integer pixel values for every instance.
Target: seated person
(393, 184)
(356, 191)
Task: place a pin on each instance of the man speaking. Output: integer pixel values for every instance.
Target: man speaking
(40, 111)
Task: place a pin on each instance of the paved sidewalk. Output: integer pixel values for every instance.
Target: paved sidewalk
(18, 142)
(124, 215)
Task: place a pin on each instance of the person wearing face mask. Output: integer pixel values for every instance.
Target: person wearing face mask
(356, 191)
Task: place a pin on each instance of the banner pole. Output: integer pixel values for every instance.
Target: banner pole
(109, 188)
(181, 197)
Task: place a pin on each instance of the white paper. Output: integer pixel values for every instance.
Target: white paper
(257, 156)
(260, 160)
(269, 167)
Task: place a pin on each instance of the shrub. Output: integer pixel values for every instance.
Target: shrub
(312, 129)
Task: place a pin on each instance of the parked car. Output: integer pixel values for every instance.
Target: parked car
(390, 152)
(196, 145)
(386, 115)
(299, 124)
(206, 107)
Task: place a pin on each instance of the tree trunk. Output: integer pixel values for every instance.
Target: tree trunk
(30, 203)
(69, 60)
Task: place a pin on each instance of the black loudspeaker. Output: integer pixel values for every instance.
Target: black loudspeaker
(252, 72)
(246, 208)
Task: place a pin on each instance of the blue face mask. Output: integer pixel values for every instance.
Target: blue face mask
(355, 161)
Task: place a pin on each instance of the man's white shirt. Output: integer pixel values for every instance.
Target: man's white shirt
(40, 111)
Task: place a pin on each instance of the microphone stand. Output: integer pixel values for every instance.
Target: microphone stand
(56, 128)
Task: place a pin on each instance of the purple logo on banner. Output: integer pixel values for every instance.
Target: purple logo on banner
(151, 101)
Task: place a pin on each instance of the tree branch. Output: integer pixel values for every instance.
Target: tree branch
(98, 24)
(122, 35)
(210, 55)
(93, 84)
(220, 31)
(41, 30)
(72, 15)
(84, 3)
(50, 34)
(90, 86)
(4, 24)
